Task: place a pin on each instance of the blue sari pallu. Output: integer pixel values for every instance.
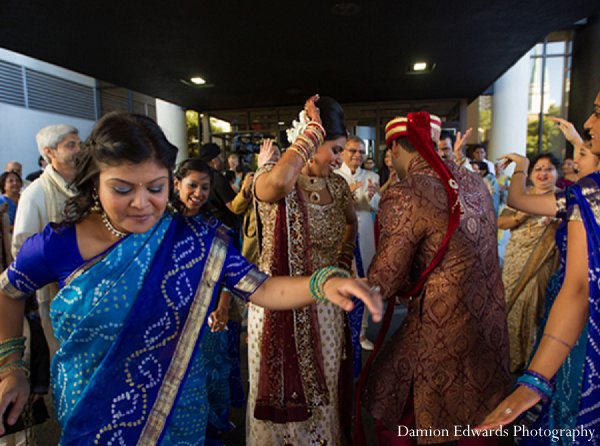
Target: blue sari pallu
(129, 325)
(575, 403)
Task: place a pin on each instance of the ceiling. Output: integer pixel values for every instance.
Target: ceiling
(272, 54)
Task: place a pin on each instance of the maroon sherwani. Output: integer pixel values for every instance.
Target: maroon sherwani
(453, 346)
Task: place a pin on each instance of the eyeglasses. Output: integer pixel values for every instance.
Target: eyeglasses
(355, 151)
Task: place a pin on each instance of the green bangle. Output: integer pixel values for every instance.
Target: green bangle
(18, 364)
(13, 341)
(320, 277)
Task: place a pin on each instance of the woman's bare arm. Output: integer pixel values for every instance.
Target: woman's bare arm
(566, 321)
(14, 387)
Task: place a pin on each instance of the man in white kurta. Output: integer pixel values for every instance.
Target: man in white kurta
(364, 186)
(44, 201)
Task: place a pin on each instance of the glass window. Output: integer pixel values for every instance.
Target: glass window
(548, 93)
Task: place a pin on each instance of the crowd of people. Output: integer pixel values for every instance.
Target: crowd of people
(127, 281)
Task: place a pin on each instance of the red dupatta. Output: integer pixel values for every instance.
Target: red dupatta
(291, 377)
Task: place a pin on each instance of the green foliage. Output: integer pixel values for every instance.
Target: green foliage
(191, 120)
(552, 139)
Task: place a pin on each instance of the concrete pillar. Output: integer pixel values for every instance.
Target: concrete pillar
(171, 119)
(509, 111)
(473, 121)
(205, 123)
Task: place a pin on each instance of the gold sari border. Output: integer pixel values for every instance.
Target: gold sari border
(156, 422)
(7, 288)
(251, 281)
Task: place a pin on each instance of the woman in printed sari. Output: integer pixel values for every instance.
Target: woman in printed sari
(10, 187)
(563, 373)
(298, 378)
(192, 181)
(530, 260)
(136, 288)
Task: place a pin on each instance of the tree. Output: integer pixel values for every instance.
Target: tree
(552, 140)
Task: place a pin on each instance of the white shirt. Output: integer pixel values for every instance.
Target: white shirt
(364, 208)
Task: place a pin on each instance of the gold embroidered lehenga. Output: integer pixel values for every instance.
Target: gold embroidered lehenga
(315, 334)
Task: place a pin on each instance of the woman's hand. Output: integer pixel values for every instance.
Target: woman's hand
(217, 320)
(521, 162)
(266, 152)
(508, 410)
(311, 109)
(14, 388)
(341, 291)
(568, 129)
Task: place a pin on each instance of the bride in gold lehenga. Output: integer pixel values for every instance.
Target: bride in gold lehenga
(299, 361)
(531, 259)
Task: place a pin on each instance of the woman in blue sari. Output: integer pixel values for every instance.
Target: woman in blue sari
(136, 287)
(219, 362)
(10, 187)
(563, 373)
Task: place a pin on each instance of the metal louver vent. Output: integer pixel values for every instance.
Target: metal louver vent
(11, 84)
(53, 94)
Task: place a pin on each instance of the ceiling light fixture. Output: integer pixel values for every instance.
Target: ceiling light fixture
(420, 67)
(197, 80)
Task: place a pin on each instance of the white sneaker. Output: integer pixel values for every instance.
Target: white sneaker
(366, 344)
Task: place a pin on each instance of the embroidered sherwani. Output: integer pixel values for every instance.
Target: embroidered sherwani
(453, 347)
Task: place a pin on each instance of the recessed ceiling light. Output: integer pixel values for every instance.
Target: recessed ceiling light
(281, 123)
(420, 67)
(197, 81)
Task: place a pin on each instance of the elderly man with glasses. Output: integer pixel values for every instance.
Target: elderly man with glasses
(364, 186)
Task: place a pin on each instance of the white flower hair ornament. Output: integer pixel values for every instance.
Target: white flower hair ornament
(297, 127)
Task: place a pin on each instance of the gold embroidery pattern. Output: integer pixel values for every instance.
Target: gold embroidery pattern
(327, 224)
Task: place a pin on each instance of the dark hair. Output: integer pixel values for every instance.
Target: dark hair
(549, 156)
(116, 138)
(483, 167)
(192, 165)
(446, 134)
(406, 145)
(183, 170)
(332, 118)
(5, 176)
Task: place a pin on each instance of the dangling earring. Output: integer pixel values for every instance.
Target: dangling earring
(96, 207)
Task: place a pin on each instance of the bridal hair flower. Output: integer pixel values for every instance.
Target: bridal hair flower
(298, 127)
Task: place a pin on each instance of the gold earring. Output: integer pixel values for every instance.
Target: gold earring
(96, 207)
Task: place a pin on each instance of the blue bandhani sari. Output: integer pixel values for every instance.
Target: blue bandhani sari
(576, 399)
(130, 323)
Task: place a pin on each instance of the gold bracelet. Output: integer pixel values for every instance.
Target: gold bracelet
(519, 171)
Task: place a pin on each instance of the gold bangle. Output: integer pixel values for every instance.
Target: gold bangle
(519, 171)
